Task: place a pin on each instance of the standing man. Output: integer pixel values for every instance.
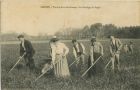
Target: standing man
(78, 51)
(115, 47)
(96, 50)
(79, 54)
(27, 48)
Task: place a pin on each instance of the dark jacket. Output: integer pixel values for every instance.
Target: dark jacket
(115, 47)
(28, 49)
(81, 51)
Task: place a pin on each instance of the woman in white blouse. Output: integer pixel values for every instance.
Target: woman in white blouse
(58, 52)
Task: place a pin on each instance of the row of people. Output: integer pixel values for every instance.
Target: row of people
(59, 52)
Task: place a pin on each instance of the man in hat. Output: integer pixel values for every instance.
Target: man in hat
(79, 54)
(115, 47)
(96, 50)
(27, 48)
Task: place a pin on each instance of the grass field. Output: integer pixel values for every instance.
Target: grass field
(21, 79)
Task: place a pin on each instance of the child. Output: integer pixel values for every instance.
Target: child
(125, 48)
(131, 47)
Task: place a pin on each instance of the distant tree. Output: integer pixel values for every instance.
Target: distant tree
(96, 29)
(85, 32)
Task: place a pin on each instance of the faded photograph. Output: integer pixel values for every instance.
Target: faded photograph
(70, 45)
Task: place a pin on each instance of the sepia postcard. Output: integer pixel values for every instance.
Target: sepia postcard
(70, 44)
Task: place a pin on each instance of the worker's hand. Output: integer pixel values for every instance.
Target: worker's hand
(53, 62)
(118, 51)
(43, 70)
(64, 56)
(25, 51)
(76, 58)
(91, 62)
(84, 53)
(102, 54)
(112, 54)
(20, 57)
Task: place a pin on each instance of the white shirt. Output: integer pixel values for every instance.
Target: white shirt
(97, 48)
(113, 41)
(60, 49)
(22, 44)
(77, 46)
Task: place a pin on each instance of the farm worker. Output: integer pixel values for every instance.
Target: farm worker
(131, 47)
(26, 47)
(78, 51)
(126, 49)
(79, 54)
(96, 50)
(115, 47)
(59, 52)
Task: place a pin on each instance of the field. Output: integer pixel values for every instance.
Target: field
(21, 79)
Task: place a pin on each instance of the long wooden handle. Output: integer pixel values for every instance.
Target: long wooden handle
(107, 64)
(45, 72)
(17, 62)
(42, 74)
(74, 62)
(91, 67)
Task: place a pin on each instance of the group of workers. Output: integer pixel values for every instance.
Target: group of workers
(59, 52)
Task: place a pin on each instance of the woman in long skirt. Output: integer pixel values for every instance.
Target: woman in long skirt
(59, 60)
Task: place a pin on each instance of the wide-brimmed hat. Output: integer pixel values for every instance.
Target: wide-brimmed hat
(54, 39)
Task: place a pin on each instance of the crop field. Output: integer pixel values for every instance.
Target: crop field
(21, 79)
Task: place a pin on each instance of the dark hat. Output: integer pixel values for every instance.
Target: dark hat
(74, 40)
(20, 36)
(93, 39)
(131, 42)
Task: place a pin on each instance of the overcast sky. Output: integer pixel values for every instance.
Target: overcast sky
(27, 16)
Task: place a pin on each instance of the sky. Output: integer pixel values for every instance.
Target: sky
(27, 15)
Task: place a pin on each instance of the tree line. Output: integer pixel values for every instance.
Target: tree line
(101, 31)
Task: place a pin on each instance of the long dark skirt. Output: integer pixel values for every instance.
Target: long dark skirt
(98, 67)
